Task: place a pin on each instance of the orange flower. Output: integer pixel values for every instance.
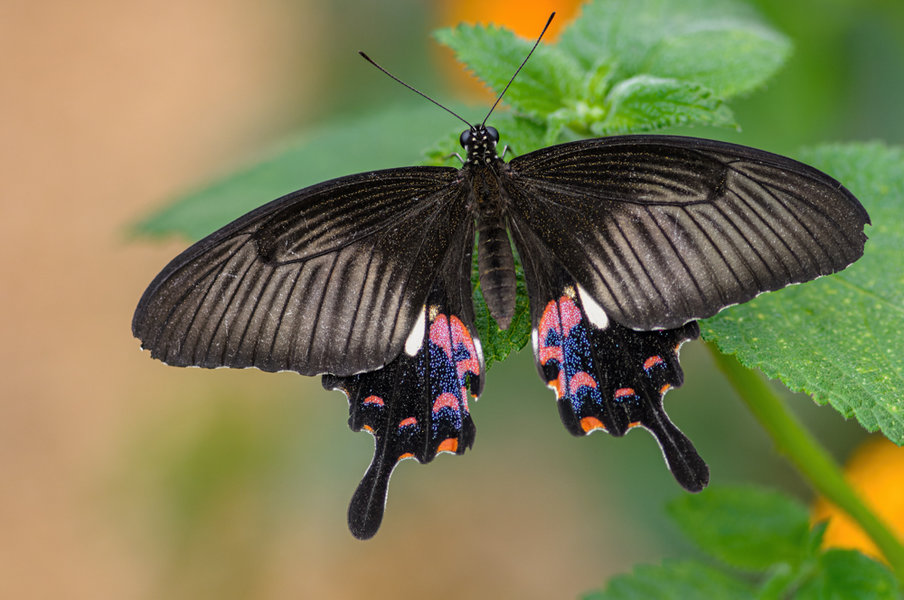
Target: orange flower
(875, 472)
(524, 17)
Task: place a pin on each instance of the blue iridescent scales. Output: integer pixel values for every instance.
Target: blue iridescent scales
(415, 407)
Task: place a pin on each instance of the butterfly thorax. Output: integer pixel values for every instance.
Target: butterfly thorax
(495, 261)
(479, 141)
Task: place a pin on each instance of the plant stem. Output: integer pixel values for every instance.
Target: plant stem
(811, 459)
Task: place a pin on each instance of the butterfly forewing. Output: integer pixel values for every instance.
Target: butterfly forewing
(328, 279)
(663, 230)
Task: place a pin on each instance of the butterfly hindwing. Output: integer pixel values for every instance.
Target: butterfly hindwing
(327, 279)
(663, 229)
(605, 376)
(417, 405)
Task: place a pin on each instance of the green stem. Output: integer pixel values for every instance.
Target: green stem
(811, 459)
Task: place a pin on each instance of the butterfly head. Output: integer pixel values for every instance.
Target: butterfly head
(479, 141)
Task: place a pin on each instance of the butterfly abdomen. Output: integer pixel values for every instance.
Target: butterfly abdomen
(496, 266)
(495, 260)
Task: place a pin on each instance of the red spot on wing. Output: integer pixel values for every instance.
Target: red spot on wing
(548, 353)
(445, 400)
(570, 313)
(407, 422)
(581, 379)
(440, 334)
(375, 400)
(622, 392)
(549, 321)
(450, 333)
(560, 316)
(652, 362)
(461, 336)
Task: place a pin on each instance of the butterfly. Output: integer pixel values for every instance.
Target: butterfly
(624, 242)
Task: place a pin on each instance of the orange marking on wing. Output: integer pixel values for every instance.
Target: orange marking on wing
(376, 400)
(665, 388)
(622, 392)
(588, 424)
(652, 362)
(448, 445)
(581, 379)
(407, 422)
(406, 455)
(633, 424)
(367, 428)
(557, 384)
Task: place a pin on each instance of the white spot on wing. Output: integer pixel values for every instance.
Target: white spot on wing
(479, 347)
(595, 313)
(416, 336)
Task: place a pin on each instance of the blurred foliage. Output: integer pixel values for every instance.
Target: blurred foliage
(767, 535)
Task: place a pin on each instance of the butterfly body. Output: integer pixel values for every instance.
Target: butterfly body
(483, 171)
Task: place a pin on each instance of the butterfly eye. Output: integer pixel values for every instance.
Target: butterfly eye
(465, 138)
(493, 134)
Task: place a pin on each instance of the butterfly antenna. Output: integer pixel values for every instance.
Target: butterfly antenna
(413, 89)
(524, 62)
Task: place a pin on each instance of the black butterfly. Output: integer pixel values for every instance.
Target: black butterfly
(625, 241)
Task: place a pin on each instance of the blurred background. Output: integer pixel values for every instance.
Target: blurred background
(123, 478)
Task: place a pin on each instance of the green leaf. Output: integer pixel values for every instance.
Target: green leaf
(843, 574)
(493, 54)
(745, 527)
(720, 44)
(628, 66)
(644, 102)
(839, 338)
(673, 580)
(383, 139)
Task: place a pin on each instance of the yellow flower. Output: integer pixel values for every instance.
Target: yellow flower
(875, 472)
